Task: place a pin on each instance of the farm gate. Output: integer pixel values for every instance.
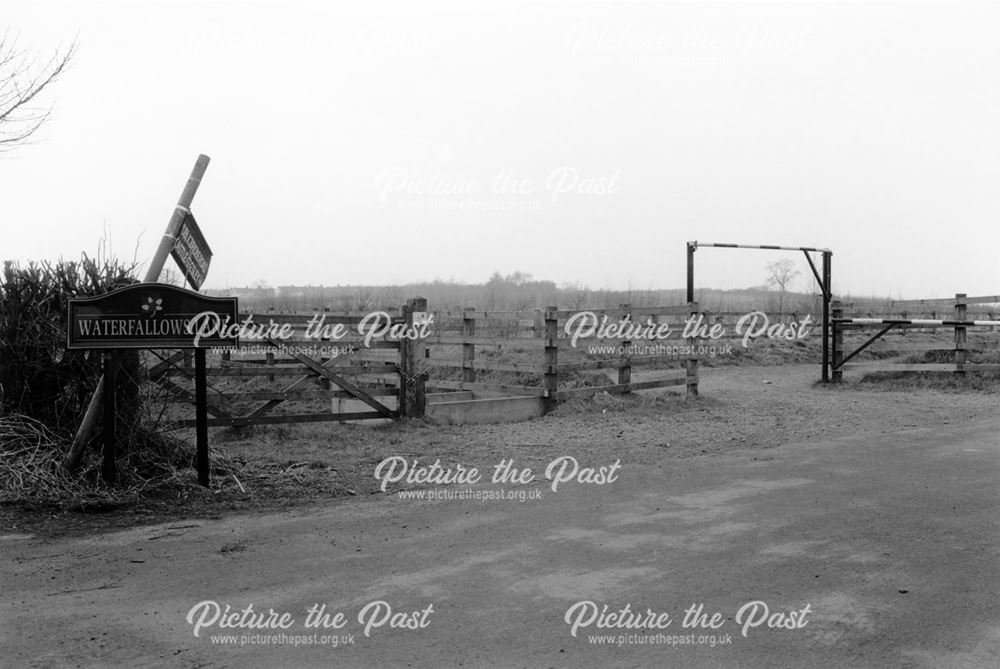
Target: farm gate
(955, 335)
(320, 360)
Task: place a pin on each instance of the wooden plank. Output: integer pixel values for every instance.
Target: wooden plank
(316, 346)
(606, 363)
(583, 343)
(943, 301)
(483, 341)
(288, 370)
(868, 368)
(619, 388)
(638, 313)
(272, 419)
(615, 363)
(519, 368)
(903, 347)
(303, 318)
(302, 395)
(465, 385)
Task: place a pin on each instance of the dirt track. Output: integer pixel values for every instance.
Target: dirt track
(879, 517)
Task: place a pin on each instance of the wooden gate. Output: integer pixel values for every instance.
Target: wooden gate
(324, 367)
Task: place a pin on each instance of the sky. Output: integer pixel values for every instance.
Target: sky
(579, 142)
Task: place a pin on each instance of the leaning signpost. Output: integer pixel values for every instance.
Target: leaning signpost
(153, 315)
(193, 256)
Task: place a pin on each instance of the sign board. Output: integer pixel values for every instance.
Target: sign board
(191, 252)
(152, 315)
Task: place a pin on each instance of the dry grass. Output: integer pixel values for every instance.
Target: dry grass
(31, 474)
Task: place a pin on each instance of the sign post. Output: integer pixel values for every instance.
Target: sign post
(153, 315)
(108, 470)
(201, 415)
(183, 208)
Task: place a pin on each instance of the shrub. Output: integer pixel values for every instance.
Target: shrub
(39, 377)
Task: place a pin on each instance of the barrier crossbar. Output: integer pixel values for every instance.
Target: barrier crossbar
(766, 247)
(914, 321)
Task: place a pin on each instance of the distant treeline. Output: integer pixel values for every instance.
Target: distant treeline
(513, 292)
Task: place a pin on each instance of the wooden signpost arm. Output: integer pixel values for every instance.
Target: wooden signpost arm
(86, 429)
(182, 209)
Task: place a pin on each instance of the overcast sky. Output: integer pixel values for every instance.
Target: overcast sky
(577, 141)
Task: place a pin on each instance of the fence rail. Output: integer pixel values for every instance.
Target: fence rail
(954, 355)
(549, 353)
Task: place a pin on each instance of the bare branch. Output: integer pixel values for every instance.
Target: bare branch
(23, 79)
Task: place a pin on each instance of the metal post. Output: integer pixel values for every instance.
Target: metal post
(201, 415)
(691, 246)
(691, 365)
(961, 313)
(838, 343)
(86, 429)
(827, 296)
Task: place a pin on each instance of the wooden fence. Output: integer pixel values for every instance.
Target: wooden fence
(955, 335)
(306, 377)
(531, 354)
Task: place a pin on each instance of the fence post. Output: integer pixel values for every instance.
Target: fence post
(468, 348)
(961, 313)
(409, 353)
(838, 341)
(625, 367)
(405, 364)
(692, 362)
(550, 381)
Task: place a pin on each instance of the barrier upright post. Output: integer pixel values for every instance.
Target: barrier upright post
(838, 342)
(691, 246)
(691, 366)
(827, 296)
(961, 311)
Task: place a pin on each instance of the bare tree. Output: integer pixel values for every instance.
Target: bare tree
(780, 274)
(576, 294)
(23, 78)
